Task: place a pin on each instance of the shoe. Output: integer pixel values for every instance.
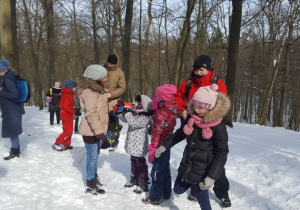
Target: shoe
(142, 187)
(99, 184)
(68, 147)
(192, 198)
(51, 126)
(76, 132)
(226, 202)
(149, 201)
(111, 149)
(13, 153)
(93, 188)
(58, 147)
(133, 181)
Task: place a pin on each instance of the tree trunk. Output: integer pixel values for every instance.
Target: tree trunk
(232, 58)
(95, 34)
(112, 49)
(126, 46)
(14, 36)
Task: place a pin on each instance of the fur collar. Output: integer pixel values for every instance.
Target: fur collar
(220, 110)
(84, 83)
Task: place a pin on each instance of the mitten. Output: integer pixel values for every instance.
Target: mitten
(120, 110)
(78, 113)
(160, 150)
(151, 153)
(127, 107)
(208, 183)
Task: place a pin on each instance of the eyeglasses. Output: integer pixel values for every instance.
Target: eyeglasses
(201, 104)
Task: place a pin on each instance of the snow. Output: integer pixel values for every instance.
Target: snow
(263, 170)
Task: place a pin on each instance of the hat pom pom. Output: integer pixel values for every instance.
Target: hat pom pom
(214, 87)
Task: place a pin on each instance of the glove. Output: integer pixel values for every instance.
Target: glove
(208, 183)
(78, 113)
(160, 150)
(151, 153)
(127, 107)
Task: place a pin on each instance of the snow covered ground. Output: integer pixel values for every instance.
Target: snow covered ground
(263, 169)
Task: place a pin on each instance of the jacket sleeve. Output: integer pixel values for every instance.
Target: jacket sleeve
(136, 121)
(121, 86)
(68, 105)
(220, 151)
(222, 87)
(177, 137)
(9, 89)
(157, 128)
(180, 95)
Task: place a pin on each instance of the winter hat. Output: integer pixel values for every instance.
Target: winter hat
(57, 83)
(113, 59)
(146, 102)
(4, 64)
(95, 72)
(202, 61)
(166, 92)
(69, 84)
(206, 97)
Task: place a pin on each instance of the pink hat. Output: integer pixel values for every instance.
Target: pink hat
(166, 92)
(206, 97)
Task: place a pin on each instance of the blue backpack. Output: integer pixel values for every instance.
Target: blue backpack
(23, 90)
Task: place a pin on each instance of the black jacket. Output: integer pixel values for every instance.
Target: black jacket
(203, 157)
(54, 105)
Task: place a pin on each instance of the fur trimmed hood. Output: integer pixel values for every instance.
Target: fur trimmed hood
(220, 110)
(84, 83)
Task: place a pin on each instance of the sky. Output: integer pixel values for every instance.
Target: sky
(262, 167)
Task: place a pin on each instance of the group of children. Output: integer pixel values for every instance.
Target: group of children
(204, 156)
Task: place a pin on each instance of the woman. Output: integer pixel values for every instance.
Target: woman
(94, 123)
(11, 111)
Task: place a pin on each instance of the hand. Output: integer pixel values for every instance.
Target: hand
(160, 150)
(127, 107)
(78, 113)
(208, 183)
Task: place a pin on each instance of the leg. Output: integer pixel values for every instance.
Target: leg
(142, 169)
(57, 117)
(15, 142)
(168, 182)
(91, 160)
(15, 148)
(203, 198)
(158, 176)
(193, 194)
(221, 189)
(51, 117)
(76, 124)
(179, 186)
(65, 137)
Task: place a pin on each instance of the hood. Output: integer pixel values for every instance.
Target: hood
(219, 111)
(203, 80)
(84, 83)
(67, 91)
(146, 103)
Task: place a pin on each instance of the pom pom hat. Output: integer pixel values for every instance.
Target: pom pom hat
(166, 92)
(206, 97)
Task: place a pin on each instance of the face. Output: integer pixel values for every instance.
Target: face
(136, 103)
(201, 72)
(56, 86)
(110, 65)
(200, 111)
(74, 89)
(103, 81)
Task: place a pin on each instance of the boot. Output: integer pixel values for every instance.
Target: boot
(93, 188)
(142, 187)
(99, 184)
(13, 153)
(133, 181)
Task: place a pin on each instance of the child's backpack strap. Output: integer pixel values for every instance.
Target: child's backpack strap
(188, 88)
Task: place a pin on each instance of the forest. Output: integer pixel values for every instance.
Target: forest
(254, 46)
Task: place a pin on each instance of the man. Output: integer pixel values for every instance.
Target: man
(202, 75)
(117, 84)
(11, 111)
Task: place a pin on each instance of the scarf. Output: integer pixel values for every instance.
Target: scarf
(199, 122)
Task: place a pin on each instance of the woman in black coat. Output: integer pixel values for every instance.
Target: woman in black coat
(11, 111)
(54, 94)
(206, 151)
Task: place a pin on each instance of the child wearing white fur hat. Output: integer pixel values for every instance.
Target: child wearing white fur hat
(206, 151)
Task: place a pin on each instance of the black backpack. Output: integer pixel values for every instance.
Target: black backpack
(189, 85)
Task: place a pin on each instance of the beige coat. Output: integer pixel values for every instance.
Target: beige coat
(94, 103)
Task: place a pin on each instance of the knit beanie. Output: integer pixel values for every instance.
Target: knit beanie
(4, 64)
(112, 58)
(57, 83)
(95, 72)
(166, 92)
(69, 84)
(146, 102)
(202, 61)
(206, 97)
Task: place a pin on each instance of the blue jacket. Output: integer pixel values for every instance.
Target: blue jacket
(11, 111)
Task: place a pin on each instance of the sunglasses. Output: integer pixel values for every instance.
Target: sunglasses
(201, 104)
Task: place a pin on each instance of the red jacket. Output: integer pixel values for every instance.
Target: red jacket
(196, 84)
(67, 102)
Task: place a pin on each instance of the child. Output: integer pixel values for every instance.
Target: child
(136, 143)
(164, 121)
(206, 151)
(66, 104)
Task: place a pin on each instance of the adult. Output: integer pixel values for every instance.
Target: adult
(11, 111)
(117, 84)
(202, 75)
(54, 94)
(93, 126)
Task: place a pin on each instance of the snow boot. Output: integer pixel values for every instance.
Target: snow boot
(68, 147)
(226, 202)
(133, 181)
(13, 153)
(142, 187)
(93, 188)
(98, 183)
(149, 201)
(58, 147)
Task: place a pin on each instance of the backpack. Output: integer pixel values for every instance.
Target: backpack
(23, 90)
(113, 132)
(49, 98)
(189, 85)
